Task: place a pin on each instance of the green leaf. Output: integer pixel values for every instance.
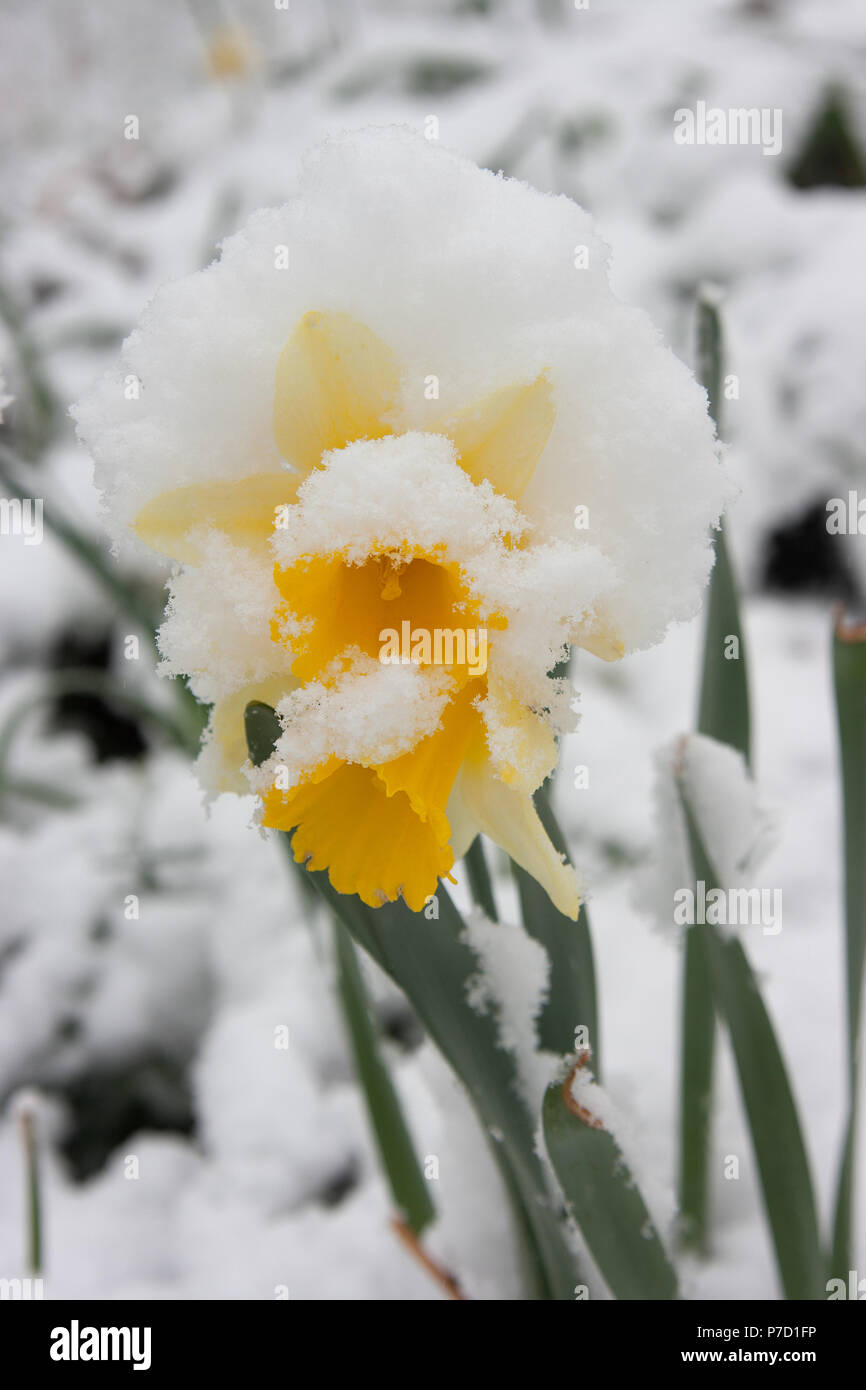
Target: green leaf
(830, 155)
(723, 711)
(480, 883)
(409, 1189)
(263, 728)
(606, 1203)
(723, 714)
(849, 673)
(571, 1000)
(777, 1138)
(698, 1033)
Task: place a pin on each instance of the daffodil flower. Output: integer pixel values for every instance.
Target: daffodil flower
(458, 444)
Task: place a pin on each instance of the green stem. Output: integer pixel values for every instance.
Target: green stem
(29, 1145)
(409, 1188)
(849, 671)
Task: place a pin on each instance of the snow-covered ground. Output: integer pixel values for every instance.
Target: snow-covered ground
(186, 1154)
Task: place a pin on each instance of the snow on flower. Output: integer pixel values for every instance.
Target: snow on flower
(405, 404)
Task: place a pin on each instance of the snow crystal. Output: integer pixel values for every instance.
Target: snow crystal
(217, 624)
(377, 494)
(512, 982)
(369, 715)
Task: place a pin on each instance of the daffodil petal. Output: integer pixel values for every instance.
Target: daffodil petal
(502, 437)
(510, 819)
(370, 843)
(335, 383)
(351, 605)
(427, 773)
(603, 644)
(464, 826)
(244, 508)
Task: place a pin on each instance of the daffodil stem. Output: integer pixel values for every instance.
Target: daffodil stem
(409, 1188)
(849, 672)
(30, 1150)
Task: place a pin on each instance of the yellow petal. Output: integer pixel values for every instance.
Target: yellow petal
(602, 642)
(502, 437)
(229, 731)
(335, 382)
(243, 508)
(371, 844)
(464, 826)
(427, 773)
(511, 820)
(350, 605)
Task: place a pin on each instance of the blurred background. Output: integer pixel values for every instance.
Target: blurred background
(150, 954)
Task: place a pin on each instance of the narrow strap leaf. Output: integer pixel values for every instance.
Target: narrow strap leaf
(849, 673)
(480, 882)
(605, 1201)
(410, 1191)
(771, 1111)
(698, 1035)
(571, 1001)
(723, 714)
